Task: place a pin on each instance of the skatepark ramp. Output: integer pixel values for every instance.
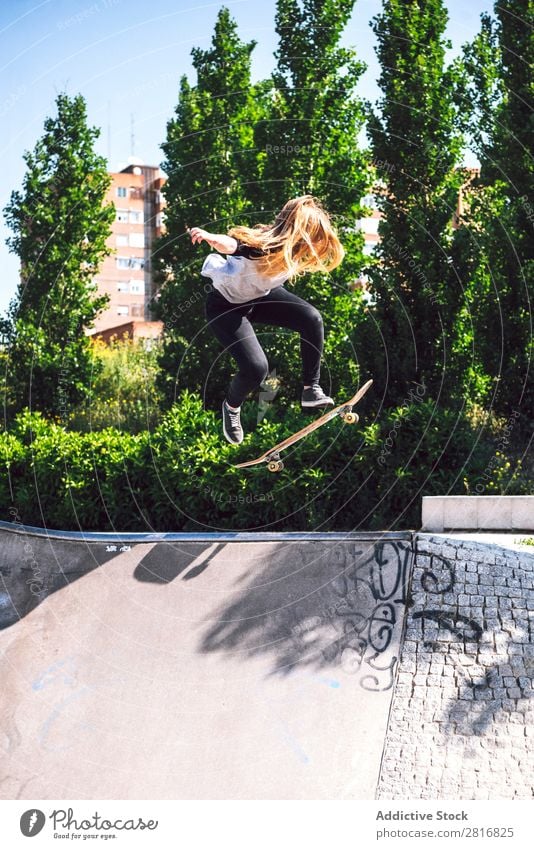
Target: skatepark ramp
(197, 666)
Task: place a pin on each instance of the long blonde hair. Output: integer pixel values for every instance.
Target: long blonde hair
(301, 239)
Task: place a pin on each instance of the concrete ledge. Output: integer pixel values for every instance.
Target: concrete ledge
(478, 512)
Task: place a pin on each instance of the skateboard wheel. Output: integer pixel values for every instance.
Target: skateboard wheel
(275, 465)
(350, 418)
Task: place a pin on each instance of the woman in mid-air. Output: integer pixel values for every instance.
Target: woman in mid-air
(248, 288)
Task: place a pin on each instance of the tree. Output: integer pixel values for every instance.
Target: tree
(210, 161)
(308, 143)
(417, 148)
(60, 226)
(498, 243)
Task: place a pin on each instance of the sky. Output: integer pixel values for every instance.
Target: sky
(126, 58)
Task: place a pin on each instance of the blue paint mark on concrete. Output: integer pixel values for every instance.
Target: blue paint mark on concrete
(56, 673)
(294, 744)
(330, 682)
(70, 733)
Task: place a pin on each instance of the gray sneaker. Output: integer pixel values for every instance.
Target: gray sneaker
(315, 397)
(232, 424)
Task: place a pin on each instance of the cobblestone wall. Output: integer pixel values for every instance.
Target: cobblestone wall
(462, 717)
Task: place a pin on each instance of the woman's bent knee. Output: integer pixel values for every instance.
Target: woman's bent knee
(313, 318)
(256, 371)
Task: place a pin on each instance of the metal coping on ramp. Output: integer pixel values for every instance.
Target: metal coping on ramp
(208, 536)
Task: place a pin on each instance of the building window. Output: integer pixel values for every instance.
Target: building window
(136, 217)
(122, 216)
(137, 240)
(138, 310)
(160, 217)
(122, 241)
(123, 286)
(123, 310)
(122, 192)
(137, 287)
(369, 201)
(137, 262)
(370, 225)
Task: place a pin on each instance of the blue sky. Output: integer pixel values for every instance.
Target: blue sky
(126, 57)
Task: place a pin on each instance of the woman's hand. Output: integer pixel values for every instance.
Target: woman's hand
(221, 243)
(199, 235)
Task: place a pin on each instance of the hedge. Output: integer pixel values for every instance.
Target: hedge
(181, 475)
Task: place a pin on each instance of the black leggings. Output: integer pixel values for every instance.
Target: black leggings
(231, 324)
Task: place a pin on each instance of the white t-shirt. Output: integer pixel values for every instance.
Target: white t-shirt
(236, 276)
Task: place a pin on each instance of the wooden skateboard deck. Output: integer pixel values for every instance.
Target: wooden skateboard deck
(272, 456)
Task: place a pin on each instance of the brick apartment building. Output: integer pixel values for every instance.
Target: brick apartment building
(126, 275)
(369, 224)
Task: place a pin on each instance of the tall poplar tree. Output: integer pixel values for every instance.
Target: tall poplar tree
(416, 146)
(60, 226)
(309, 143)
(499, 92)
(210, 161)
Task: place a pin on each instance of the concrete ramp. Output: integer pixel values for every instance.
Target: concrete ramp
(237, 666)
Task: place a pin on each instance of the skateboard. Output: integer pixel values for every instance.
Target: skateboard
(272, 456)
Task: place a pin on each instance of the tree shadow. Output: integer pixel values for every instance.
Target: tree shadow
(319, 606)
(314, 605)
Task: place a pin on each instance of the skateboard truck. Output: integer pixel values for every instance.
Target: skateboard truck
(349, 417)
(274, 463)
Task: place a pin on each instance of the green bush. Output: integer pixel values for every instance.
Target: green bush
(181, 475)
(123, 391)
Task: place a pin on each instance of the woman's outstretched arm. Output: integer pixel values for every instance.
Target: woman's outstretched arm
(221, 243)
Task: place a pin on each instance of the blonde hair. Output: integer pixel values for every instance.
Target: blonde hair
(301, 239)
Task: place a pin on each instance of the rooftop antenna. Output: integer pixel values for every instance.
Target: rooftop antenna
(109, 133)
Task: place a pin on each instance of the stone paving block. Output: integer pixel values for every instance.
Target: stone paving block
(424, 561)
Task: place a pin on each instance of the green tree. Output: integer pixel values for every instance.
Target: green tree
(60, 226)
(210, 161)
(417, 147)
(308, 143)
(498, 241)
